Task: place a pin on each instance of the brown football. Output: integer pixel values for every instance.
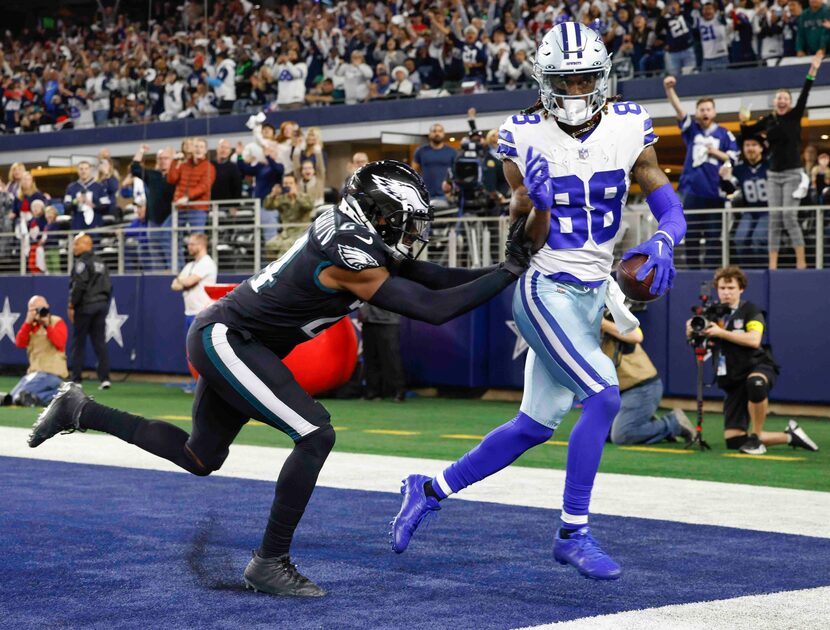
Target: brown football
(627, 279)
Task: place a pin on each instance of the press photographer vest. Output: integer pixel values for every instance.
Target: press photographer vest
(43, 356)
(634, 367)
(741, 360)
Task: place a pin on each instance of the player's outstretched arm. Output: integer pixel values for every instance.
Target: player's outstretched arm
(435, 276)
(671, 224)
(538, 218)
(434, 306)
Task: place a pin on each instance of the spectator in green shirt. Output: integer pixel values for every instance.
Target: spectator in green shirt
(810, 37)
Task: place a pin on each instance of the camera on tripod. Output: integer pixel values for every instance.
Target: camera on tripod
(705, 313)
(467, 179)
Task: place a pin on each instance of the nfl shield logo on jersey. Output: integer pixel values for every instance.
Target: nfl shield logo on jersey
(583, 153)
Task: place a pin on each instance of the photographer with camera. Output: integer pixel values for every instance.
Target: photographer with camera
(641, 391)
(44, 337)
(746, 372)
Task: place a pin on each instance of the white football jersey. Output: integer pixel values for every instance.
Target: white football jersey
(590, 184)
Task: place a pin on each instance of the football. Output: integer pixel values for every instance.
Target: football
(627, 279)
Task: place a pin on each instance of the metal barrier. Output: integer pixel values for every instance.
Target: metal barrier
(237, 241)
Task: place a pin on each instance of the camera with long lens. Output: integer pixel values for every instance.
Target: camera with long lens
(467, 179)
(705, 313)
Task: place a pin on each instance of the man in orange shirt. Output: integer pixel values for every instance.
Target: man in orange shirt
(193, 175)
(43, 334)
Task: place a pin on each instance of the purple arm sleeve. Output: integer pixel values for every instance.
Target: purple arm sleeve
(666, 207)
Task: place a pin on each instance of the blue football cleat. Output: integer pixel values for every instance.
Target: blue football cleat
(415, 508)
(582, 551)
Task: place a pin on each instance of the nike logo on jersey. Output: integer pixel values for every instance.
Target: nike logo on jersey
(365, 239)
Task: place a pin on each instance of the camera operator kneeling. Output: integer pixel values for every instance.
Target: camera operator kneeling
(746, 371)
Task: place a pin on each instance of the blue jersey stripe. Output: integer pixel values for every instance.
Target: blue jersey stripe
(507, 150)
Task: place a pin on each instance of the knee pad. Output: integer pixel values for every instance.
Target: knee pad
(757, 389)
(320, 442)
(736, 442)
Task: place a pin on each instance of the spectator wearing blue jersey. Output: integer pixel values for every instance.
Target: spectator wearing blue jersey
(708, 146)
(434, 160)
(674, 33)
(746, 183)
(84, 199)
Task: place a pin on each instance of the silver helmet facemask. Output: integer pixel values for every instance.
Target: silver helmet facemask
(572, 56)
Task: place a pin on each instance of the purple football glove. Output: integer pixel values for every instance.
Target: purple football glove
(537, 181)
(659, 251)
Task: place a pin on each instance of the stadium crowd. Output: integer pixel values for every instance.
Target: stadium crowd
(77, 72)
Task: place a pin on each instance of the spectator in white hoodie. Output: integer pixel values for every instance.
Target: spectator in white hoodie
(224, 81)
(356, 78)
(291, 74)
(174, 96)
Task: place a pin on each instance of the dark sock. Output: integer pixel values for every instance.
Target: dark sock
(429, 491)
(294, 487)
(566, 530)
(280, 530)
(159, 438)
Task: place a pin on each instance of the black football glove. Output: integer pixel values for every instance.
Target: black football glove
(517, 250)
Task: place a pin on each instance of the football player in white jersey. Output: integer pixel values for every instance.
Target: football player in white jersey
(569, 160)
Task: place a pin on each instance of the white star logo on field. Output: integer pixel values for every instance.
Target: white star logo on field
(7, 320)
(114, 322)
(521, 345)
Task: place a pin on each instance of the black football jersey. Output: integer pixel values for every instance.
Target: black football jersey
(285, 303)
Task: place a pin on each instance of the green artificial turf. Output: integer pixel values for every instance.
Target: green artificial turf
(425, 423)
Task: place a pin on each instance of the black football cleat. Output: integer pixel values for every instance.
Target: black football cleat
(799, 437)
(61, 416)
(278, 576)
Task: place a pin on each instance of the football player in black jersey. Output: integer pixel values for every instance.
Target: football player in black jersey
(365, 249)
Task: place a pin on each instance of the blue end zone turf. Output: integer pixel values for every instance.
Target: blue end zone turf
(114, 547)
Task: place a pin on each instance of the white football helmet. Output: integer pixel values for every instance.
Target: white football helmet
(571, 49)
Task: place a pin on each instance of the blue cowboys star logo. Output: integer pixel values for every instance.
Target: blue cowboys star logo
(521, 345)
(285, 75)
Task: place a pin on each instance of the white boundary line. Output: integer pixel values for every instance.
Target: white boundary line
(803, 610)
(757, 508)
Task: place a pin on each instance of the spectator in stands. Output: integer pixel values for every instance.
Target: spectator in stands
(708, 146)
(747, 182)
(674, 33)
(782, 129)
(768, 26)
(820, 177)
(228, 183)
(84, 199)
(174, 96)
(641, 391)
(401, 86)
(312, 181)
(90, 290)
(381, 84)
(311, 150)
(224, 80)
(27, 194)
(291, 76)
(266, 175)
(714, 37)
(295, 209)
(16, 171)
(107, 177)
(193, 175)
(289, 139)
(811, 34)
(7, 221)
(359, 160)
(434, 160)
(356, 76)
(159, 193)
(98, 91)
(43, 335)
(324, 93)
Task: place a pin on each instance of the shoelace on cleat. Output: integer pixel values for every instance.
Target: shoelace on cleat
(590, 547)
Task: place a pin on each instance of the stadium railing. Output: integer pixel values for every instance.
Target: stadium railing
(236, 243)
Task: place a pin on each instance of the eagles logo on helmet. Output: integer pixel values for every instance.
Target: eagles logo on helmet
(391, 199)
